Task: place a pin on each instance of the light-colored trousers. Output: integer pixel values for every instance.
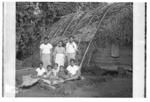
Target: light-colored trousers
(46, 59)
(71, 56)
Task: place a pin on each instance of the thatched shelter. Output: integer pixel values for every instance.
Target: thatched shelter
(104, 35)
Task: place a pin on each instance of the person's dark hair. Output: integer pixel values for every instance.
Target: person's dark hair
(61, 42)
(71, 37)
(72, 60)
(56, 64)
(61, 66)
(49, 66)
(41, 63)
(46, 38)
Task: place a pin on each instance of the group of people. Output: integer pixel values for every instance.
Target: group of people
(52, 67)
(60, 54)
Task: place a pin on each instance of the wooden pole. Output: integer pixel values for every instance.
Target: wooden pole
(56, 31)
(90, 56)
(90, 19)
(108, 7)
(73, 32)
(68, 25)
(85, 53)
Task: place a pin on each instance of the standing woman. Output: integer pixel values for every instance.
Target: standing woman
(45, 53)
(59, 54)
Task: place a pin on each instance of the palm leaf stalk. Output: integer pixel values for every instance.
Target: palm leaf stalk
(109, 6)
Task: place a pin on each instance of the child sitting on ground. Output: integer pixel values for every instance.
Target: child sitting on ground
(48, 77)
(53, 78)
(73, 71)
(29, 80)
(49, 71)
(40, 71)
(55, 71)
(61, 73)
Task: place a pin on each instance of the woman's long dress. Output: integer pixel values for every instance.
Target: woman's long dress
(59, 56)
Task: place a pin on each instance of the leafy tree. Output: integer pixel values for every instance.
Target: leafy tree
(34, 19)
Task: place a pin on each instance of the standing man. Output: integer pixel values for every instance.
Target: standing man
(71, 49)
(45, 53)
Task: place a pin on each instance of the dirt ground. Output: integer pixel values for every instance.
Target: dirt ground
(98, 83)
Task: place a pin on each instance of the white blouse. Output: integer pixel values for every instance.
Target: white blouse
(71, 47)
(46, 48)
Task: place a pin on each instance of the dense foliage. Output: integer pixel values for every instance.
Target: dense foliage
(33, 19)
(117, 27)
(110, 23)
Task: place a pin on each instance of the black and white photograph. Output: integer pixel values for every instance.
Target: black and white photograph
(70, 49)
(74, 49)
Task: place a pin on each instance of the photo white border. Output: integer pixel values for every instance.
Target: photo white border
(148, 53)
(1, 27)
(97, 99)
(138, 49)
(9, 49)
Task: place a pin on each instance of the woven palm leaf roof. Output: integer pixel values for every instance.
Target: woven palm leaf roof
(83, 25)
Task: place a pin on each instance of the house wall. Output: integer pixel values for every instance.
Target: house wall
(103, 59)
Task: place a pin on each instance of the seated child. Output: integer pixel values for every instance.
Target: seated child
(73, 70)
(48, 76)
(40, 71)
(55, 70)
(49, 71)
(61, 73)
(52, 78)
(29, 80)
(55, 79)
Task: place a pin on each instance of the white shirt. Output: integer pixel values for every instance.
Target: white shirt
(46, 48)
(71, 47)
(73, 69)
(40, 72)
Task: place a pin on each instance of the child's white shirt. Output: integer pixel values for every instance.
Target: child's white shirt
(73, 69)
(40, 72)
